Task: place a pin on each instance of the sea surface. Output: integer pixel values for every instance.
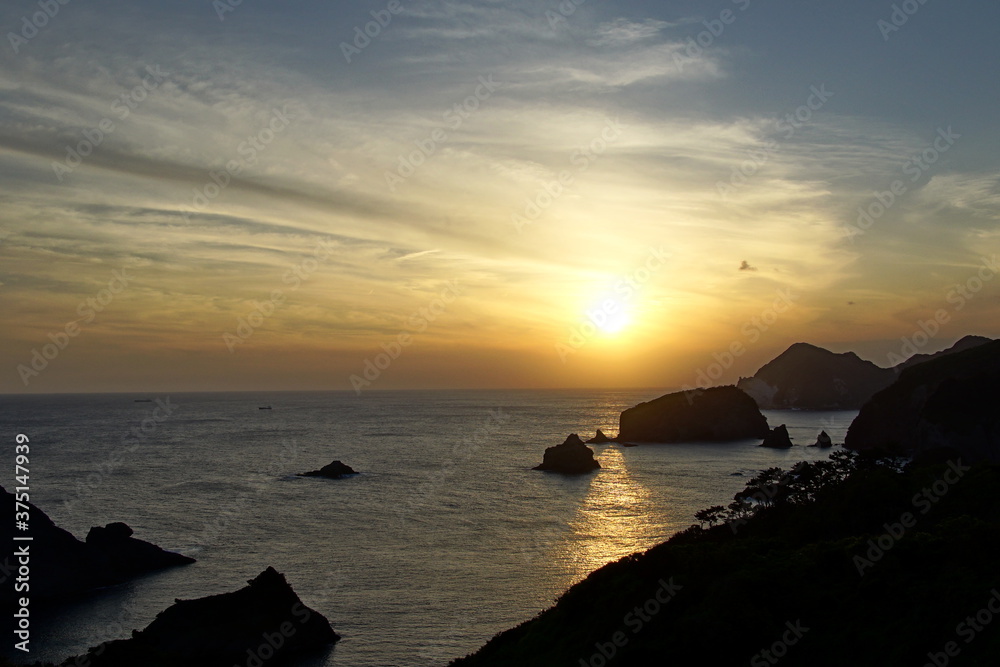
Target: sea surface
(445, 538)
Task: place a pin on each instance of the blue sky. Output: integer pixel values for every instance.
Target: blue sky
(597, 138)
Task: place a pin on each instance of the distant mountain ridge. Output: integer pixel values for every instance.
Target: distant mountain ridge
(812, 378)
(966, 343)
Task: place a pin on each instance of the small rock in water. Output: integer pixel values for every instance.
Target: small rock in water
(335, 470)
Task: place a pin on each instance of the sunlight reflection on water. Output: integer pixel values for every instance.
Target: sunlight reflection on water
(612, 521)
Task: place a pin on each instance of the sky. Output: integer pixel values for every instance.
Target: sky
(439, 194)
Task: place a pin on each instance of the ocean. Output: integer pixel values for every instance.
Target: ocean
(445, 538)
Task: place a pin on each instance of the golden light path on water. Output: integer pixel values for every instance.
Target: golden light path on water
(612, 521)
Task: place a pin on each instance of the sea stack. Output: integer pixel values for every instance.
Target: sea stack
(599, 439)
(777, 438)
(822, 440)
(572, 457)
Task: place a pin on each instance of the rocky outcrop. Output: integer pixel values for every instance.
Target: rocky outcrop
(599, 439)
(572, 457)
(262, 623)
(823, 440)
(62, 565)
(698, 415)
(947, 402)
(127, 556)
(778, 438)
(335, 470)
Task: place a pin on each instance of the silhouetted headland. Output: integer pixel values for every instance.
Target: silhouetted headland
(948, 401)
(260, 624)
(63, 566)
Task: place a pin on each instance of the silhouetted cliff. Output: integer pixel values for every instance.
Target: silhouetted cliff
(949, 401)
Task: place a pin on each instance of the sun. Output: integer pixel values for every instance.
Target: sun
(615, 323)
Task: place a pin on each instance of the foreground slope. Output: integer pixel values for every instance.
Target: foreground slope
(812, 577)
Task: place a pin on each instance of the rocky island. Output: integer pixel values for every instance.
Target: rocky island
(698, 415)
(572, 457)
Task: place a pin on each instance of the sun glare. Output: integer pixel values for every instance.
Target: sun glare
(615, 323)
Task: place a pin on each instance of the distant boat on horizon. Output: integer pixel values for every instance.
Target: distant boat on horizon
(264, 407)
